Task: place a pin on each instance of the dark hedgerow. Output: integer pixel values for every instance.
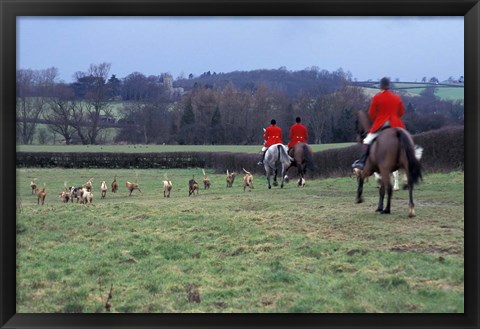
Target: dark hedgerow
(443, 151)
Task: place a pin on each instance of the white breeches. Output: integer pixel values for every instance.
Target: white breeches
(371, 136)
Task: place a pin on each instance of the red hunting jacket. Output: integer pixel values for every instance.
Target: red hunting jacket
(386, 106)
(298, 133)
(272, 135)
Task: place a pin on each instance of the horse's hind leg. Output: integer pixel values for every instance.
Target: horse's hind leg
(411, 205)
(389, 198)
(299, 175)
(386, 187)
(381, 197)
(268, 178)
(359, 189)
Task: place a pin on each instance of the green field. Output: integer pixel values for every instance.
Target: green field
(444, 92)
(161, 148)
(288, 250)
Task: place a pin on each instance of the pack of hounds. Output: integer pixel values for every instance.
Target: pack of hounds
(83, 194)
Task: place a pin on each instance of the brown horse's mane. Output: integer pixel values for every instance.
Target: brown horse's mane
(363, 123)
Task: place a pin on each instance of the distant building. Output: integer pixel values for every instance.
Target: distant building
(168, 81)
(168, 84)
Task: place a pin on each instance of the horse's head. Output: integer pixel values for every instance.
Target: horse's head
(362, 124)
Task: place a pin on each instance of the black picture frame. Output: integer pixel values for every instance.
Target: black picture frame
(10, 9)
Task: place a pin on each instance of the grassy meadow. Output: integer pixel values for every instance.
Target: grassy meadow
(308, 249)
(444, 92)
(161, 148)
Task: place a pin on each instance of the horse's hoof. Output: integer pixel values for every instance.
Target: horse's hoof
(411, 213)
(359, 200)
(380, 210)
(385, 212)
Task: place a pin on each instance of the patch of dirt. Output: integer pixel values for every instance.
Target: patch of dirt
(220, 305)
(193, 294)
(428, 249)
(267, 301)
(357, 251)
(129, 261)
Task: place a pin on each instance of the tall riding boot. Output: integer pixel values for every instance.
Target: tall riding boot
(360, 163)
(260, 163)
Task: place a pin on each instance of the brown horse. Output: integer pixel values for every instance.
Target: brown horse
(393, 149)
(302, 159)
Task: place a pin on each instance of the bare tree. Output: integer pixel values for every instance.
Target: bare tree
(33, 88)
(80, 120)
(317, 113)
(131, 132)
(266, 105)
(96, 97)
(232, 106)
(147, 106)
(60, 112)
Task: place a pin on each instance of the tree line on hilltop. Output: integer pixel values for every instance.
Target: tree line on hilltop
(224, 108)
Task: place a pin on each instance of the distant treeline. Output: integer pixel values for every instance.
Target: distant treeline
(443, 151)
(224, 108)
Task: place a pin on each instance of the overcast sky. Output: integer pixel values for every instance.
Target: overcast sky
(407, 48)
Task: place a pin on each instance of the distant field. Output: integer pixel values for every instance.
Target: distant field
(161, 148)
(444, 93)
(451, 93)
(414, 89)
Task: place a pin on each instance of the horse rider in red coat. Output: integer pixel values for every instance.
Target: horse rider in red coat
(298, 134)
(386, 110)
(272, 135)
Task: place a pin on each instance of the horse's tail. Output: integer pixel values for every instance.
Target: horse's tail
(283, 155)
(414, 166)
(309, 158)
